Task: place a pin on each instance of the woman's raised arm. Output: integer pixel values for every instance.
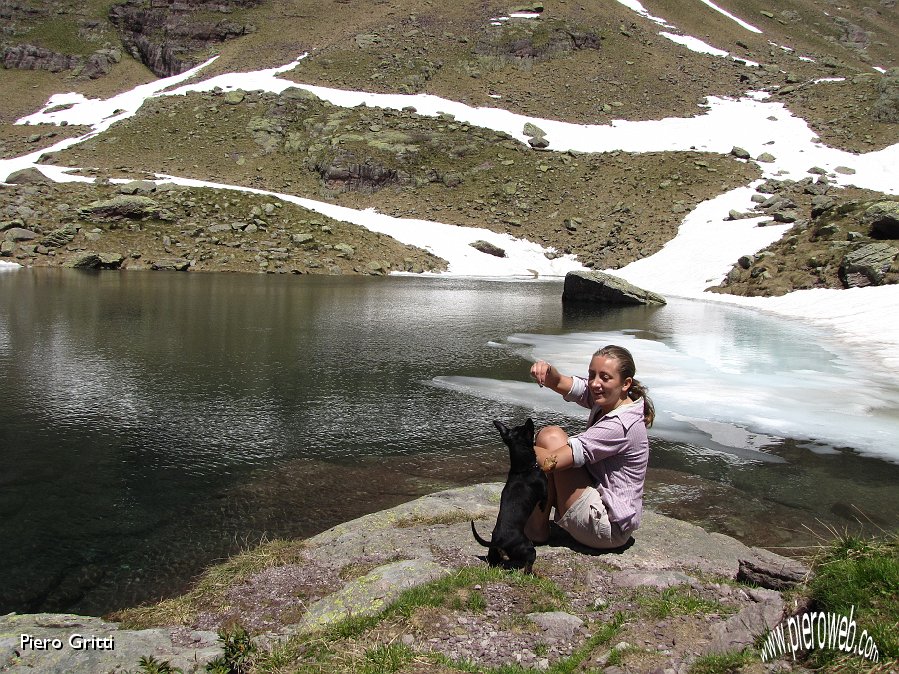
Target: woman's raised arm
(547, 375)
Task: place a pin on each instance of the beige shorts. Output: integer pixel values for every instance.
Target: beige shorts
(588, 522)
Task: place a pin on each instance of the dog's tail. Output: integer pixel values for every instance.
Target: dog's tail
(480, 540)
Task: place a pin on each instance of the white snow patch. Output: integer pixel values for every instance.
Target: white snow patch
(744, 24)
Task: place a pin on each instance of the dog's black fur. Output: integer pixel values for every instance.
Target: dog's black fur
(526, 486)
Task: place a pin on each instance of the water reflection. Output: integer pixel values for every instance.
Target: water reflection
(154, 423)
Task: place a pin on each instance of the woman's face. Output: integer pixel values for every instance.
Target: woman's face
(608, 387)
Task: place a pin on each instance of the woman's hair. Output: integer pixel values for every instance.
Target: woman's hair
(627, 368)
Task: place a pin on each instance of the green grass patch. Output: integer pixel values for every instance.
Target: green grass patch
(678, 600)
(60, 35)
(386, 658)
(725, 663)
(861, 575)
(446, 591)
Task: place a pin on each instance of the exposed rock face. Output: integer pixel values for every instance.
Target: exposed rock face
(30, 57)
(538, 40)
(853, 36)
(597, 287)
(168, 36)
(886, 109)
(867, 265)
(884, 220)
(367, 175)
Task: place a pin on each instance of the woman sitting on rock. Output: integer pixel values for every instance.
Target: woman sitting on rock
(596, 478)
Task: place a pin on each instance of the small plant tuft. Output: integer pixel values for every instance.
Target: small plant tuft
(725, 663)
(678, 600)
(150, 665)
(239, 652)
(386, 658)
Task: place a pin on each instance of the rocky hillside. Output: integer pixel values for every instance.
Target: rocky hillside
(580, 63)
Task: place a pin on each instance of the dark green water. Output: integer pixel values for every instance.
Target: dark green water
(154, 423)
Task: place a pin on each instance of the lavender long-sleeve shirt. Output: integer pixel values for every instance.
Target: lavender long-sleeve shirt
(615, 450)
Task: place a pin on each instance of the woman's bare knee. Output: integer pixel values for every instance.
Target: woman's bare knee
(551, 437)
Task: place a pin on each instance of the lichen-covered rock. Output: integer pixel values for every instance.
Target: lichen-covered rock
(886, 108)
(88, 644)
(867, 265)
(87, 260)
(532, 130)
(883, 218)
(28, 176)
(170, 264)
(20, 234)
(372, 593)
(137, 187)
(125, 206)
(488, 248)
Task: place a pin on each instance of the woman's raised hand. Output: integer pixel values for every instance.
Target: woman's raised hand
(539, 370)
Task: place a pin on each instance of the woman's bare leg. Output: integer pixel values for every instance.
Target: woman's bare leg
(565, 486)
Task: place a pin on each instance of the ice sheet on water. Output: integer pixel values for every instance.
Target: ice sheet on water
(720, 438)
(724, 382)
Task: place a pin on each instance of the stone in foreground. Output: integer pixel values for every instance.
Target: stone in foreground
(596, 287)
(70, 644)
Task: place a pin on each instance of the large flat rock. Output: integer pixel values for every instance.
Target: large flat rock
(440, 522)
(52, 643)
(597, 287)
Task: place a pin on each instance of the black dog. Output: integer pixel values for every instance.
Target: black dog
(525, 487)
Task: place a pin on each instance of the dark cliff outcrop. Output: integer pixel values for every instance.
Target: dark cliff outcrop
(32, 57)
(170, 37)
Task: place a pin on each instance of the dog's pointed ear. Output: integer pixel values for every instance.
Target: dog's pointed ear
(501, 427)
(529, 426)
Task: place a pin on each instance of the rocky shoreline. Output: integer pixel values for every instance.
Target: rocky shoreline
(142, 225)
(676, 595)
(842, 238)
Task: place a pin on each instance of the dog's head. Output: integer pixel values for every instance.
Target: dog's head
(520, 441)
